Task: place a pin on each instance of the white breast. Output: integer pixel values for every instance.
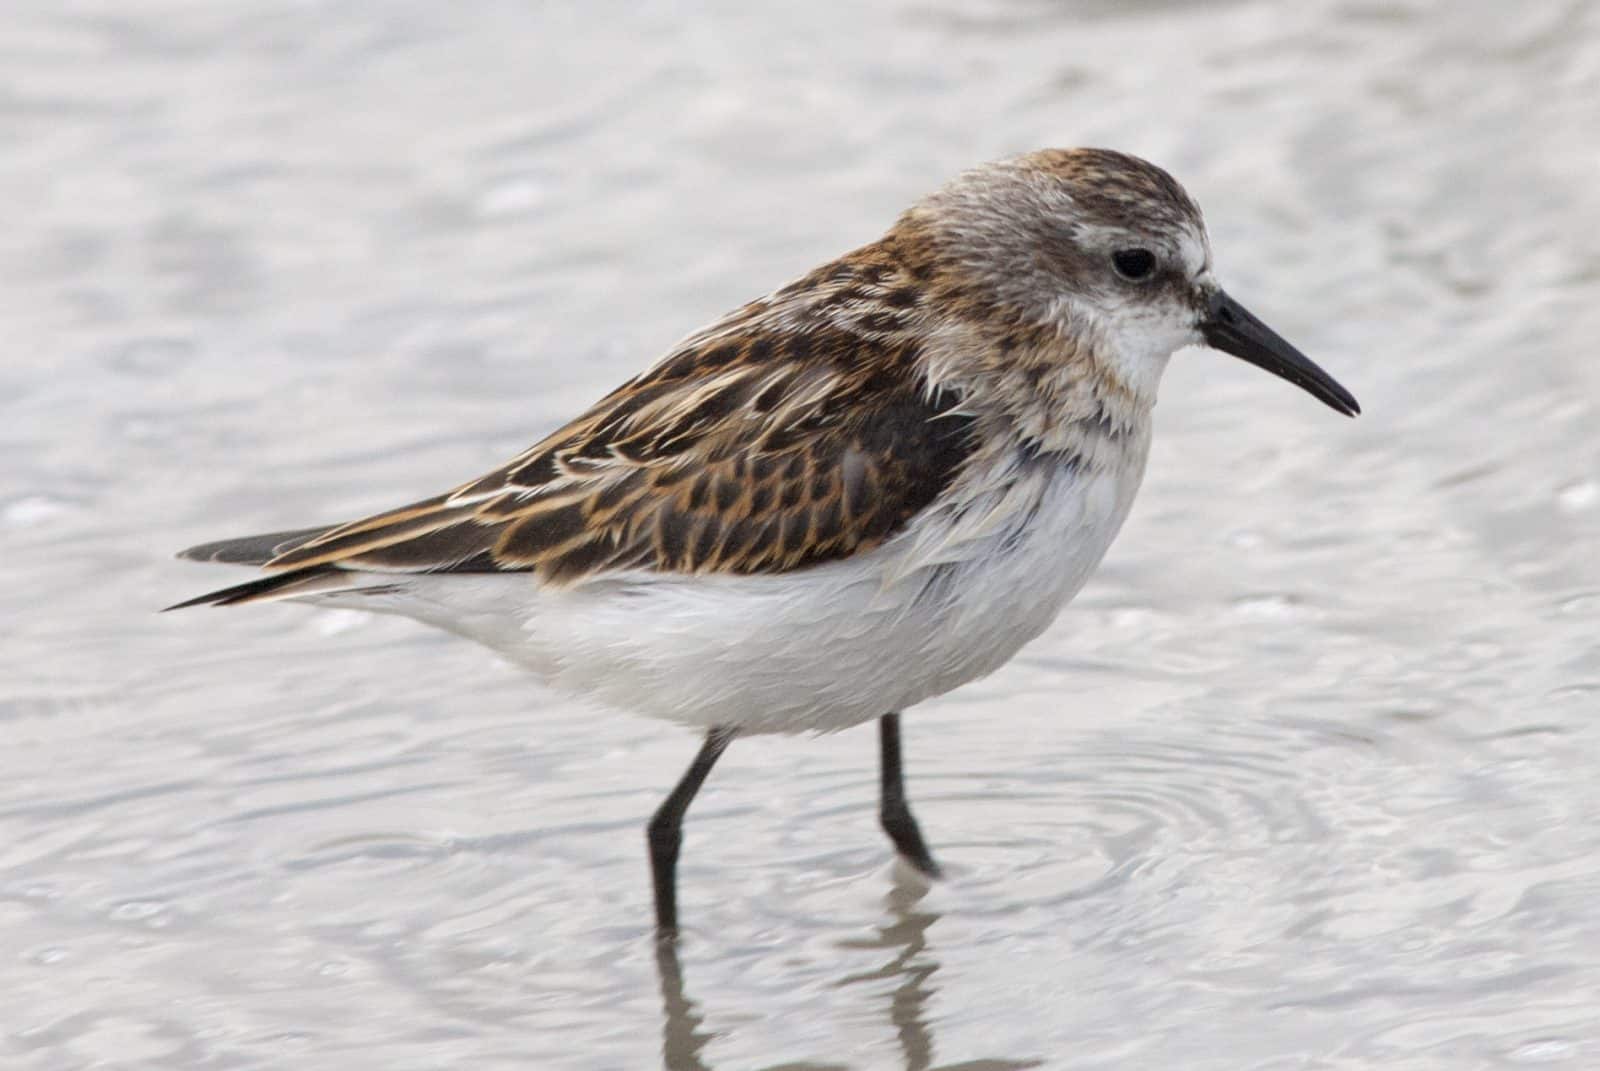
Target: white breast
(949, 600)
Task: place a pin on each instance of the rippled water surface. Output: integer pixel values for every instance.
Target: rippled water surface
(1309, 777)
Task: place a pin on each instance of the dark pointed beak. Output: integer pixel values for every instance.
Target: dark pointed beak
(1229, 327)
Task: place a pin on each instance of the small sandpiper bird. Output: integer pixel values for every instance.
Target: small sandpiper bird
(867, 488)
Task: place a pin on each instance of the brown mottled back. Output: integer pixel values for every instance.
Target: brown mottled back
(797, 430)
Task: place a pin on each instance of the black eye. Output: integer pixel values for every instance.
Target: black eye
(1134, 264)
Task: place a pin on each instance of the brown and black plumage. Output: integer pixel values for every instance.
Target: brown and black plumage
(867, 488)
(797, 430)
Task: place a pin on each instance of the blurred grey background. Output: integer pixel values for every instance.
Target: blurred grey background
(1306, 778)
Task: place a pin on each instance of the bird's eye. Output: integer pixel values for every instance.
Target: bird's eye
(1134, 264)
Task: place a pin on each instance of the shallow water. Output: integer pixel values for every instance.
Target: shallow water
(1307, 778)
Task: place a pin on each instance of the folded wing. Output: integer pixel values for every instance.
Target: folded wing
(774, 440)
(750, 466)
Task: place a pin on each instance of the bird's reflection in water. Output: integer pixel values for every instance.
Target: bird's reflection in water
(903, 936)
(681, 1036)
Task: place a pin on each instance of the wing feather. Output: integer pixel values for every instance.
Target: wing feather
(786, 435)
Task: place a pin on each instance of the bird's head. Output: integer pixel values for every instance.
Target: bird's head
(1108, 251)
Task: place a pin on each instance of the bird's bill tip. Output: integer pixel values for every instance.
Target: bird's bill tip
(1233, 329)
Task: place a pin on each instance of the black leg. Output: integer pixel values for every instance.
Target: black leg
(893, 811)
(666, 829)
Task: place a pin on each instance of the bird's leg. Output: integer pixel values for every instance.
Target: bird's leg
(665, 831)
(893, 810)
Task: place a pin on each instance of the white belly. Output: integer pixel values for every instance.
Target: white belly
(941, 604)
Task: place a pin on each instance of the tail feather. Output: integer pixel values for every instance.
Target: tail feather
(290, 585)
(256, 549)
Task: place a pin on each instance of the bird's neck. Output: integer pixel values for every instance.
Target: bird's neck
(1050, 393)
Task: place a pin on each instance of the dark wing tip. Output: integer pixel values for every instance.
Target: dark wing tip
(198, 600)
(278, 585)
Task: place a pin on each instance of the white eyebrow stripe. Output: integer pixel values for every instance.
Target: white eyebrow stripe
(1195, 252)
